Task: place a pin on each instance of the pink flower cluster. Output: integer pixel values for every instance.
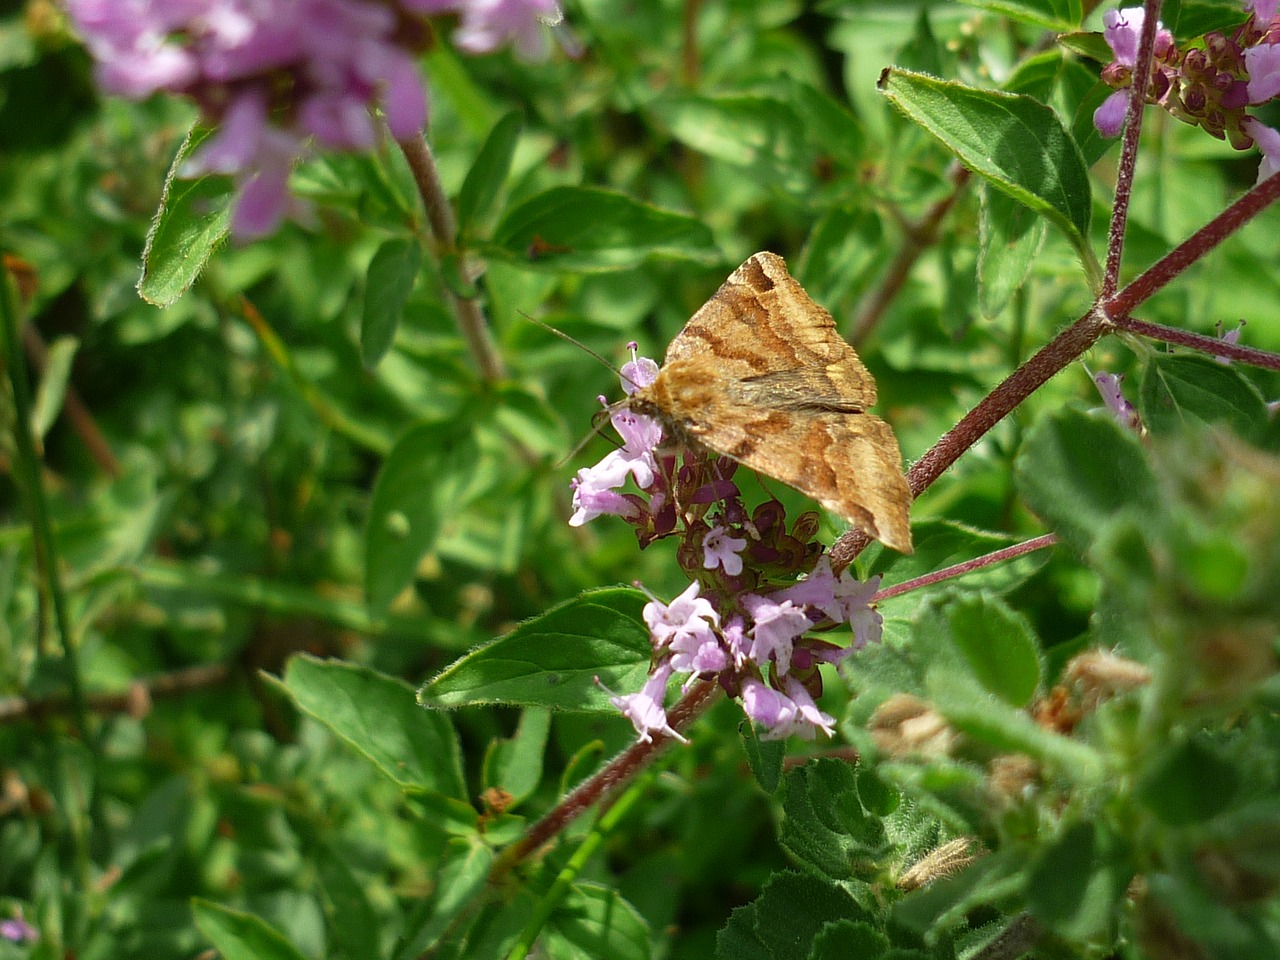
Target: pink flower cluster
(1209, 86)
(277, 74)
(744, 619)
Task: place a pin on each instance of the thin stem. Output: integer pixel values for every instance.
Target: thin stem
(1129, 149)
(968, 566)
(44, 547)
(586, 850)
(1196, 246)
(471, 319)
(1198, 341)
(1066, 347)
(920, 236)
(689, 60)
(135, 701)
(613, 776)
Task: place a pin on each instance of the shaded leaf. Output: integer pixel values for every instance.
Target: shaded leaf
(380, 717)
(553, 660)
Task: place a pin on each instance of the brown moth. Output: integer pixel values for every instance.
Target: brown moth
(760, 374)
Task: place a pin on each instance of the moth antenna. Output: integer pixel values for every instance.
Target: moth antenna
(576, 342)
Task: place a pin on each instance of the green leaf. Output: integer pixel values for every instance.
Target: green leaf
(1190, 20)
(192, 220)
(241, 936)
(392, 272)
(351, 919)
(515, 764)
(763, 134)
(826, 826)
(428, 478)
(793, 908)
(998, 645)
(1013, 142)
(461, 875)
(589, 229)
(1180, 391)
(1009, 237)
(947, 900)
(1050, 14)
(598, 922)
(487, 173)
(52, 388)
(763, 756)
(553, 660)
(738, 939)
(379, 716)
(1077, 884)
(1079, 471)
(847, 938)
(1189, 783)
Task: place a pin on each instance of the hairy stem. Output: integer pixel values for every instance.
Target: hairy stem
(968, 566)
(1163, 271)
(470, 318)
(1129, 149)
(617, 773)
(1198, 341)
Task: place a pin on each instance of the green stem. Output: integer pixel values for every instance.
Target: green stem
(590, 846)
(28, 466)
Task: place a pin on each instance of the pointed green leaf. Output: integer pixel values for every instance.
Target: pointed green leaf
(597, 922)
(380, 717)
(998, 645)
(192, 220)
(428, 477)
(515, 764)
(487, 173)
(51, 391)
(389, 281)
(1180, 391)
(554, 659)
(1009, 238)
(1077, 883)
(241, 936)
(1050, 14)
(588, 229)
(1190, 783)
(1015, 143)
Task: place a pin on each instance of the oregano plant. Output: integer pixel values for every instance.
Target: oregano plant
(319, 642)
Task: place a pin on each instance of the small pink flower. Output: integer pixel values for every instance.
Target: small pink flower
(1122, 29)
(1108, 385)
(1264, 11)
(1109, 117)
(777, 625)
(768, 708)
(721, 550)
(1268, 141)
(689, 618)
(645, 710)
(1262, 62)
(638, 372)
(808, 719)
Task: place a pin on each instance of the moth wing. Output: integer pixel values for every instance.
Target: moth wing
(849, 462)
(761, 322)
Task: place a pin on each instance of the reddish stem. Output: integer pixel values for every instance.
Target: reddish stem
(1163, 271)
(617, 773)
(1129, 149)
(1198, 341)
(968, 566)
